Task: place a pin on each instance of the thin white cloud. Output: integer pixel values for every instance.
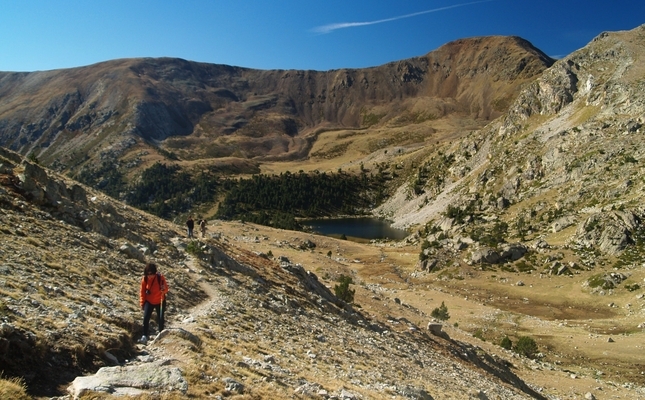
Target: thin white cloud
(341, 25)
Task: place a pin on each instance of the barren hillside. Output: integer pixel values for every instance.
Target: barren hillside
(71, 264)
(127, 111)
(252, 312)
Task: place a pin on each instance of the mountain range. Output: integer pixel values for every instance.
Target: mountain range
(205, 111)
(516, 176)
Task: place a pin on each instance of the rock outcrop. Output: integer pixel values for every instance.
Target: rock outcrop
(131, 380)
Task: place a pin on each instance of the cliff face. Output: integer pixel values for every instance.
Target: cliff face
(212, 110)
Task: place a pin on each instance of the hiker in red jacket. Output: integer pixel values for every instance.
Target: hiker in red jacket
(152, 297)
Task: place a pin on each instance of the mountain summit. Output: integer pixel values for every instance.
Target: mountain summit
(73, 117)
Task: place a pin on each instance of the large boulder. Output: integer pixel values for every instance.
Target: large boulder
(484, 256)
(512, 251)
(562, 223)
(31, 182)
(614, 239)
(507, 252)
(610, 232)
(131, 380)
(132, 252)
(428, 264)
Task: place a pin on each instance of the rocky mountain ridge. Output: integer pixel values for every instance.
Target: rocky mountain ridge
(116, 110)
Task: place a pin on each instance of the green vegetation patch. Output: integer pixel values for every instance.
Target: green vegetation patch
(523, 266)
(526, 346)
(441, 312)
(490, 237)
(166, 190)
(632, 286)
(194, 247)
(106, 177)
(601, 281)
(506, 343)
(277, 200)
(342, 290)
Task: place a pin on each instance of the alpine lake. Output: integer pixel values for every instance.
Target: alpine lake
(361, 229)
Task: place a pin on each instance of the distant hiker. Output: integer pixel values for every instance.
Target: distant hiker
(202, 227)
(152, 297)
(190, 224)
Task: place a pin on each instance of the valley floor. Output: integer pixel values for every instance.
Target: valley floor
(588, 343)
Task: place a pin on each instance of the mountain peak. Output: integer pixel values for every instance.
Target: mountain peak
(246, 112)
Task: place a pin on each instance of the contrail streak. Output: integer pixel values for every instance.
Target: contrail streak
(340, 25)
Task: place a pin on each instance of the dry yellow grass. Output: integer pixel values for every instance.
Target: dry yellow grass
(13, 388)
(571, 325)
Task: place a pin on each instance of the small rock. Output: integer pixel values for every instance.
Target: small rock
(6, 329)
(113, 360)
(434, 327)
(233, 386)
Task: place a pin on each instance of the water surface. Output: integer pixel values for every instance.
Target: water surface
(364, 228)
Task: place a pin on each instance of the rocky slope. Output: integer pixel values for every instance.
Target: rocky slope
(241, 322)
(118, 111)
(565, 158)
(247, 315)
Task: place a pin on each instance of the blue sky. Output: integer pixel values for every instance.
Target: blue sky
(289, 34)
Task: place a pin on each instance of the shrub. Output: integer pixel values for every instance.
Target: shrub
(600, 281)
(523, 266)
(479, 334)
(33, 158)
(194, 248)
(508, 268)
(490, 237)
(629, 159)
(632, 287)
(441, 312)
(343, 291)
(506, 343)
(526, 346)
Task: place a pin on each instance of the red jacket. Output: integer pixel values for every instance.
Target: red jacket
(157, 288)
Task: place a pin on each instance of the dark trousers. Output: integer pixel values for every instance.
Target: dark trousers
(147, 313)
